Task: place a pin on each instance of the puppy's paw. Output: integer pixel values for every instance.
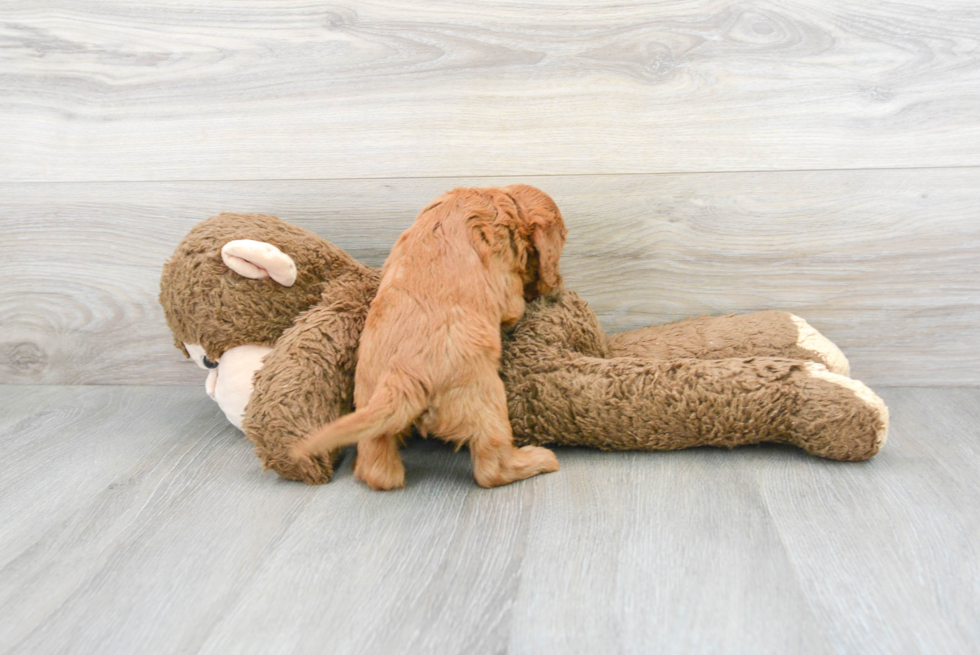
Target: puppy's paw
(541, 460)
(381, 474)
(511, 464)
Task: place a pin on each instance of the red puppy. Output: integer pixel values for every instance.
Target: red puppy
(430, 351)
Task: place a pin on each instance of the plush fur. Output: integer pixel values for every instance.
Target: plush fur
(566, 382)
(429, 353)
(564, 389)
(207, 303)
(778, 334)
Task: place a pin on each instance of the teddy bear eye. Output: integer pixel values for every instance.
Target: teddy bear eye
(208, 363)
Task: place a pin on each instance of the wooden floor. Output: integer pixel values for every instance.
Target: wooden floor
(136, 520)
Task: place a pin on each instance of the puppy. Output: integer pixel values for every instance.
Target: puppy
(429, 354)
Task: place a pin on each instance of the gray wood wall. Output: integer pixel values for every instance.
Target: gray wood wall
(821, 157)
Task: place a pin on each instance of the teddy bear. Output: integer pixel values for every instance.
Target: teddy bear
(274, 313)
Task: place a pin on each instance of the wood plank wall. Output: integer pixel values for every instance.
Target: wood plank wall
(710, 157)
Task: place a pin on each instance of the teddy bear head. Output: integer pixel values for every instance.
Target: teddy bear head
(242, 279)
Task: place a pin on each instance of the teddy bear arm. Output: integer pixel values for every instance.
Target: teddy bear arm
(308, 379)
(759, 334)
(633, 404)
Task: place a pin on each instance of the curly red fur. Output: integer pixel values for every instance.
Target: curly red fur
(430, 350)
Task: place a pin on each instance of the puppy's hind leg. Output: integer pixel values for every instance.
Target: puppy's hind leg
(482, 422)
(379, 464)
(495, 466)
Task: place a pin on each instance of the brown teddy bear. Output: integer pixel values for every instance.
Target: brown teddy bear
(275, 313)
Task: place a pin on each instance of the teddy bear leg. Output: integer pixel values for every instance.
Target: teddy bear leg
(841, 418)
(758, 334)
(828, 354)
(635, 404)
(306, 382)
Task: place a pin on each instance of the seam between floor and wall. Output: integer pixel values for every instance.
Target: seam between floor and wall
(499, 175)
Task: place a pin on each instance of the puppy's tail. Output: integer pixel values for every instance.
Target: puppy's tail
(396, 403)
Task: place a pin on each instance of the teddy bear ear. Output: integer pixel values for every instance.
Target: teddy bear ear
(259, 260)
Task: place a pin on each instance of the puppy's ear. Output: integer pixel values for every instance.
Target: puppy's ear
(481, 236)
(259, 260)
(481, 223)
(547, 237)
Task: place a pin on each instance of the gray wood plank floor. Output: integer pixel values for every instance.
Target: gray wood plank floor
(134, 519)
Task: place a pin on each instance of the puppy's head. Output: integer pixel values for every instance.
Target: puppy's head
(517, 230)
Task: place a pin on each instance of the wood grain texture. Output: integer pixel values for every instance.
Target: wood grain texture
(901, 538)
(885, 263)
(136, 520)
(290, 89)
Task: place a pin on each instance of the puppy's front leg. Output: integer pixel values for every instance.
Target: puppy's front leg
(379, 464)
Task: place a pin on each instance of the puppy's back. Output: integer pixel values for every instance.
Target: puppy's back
(435, 307)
